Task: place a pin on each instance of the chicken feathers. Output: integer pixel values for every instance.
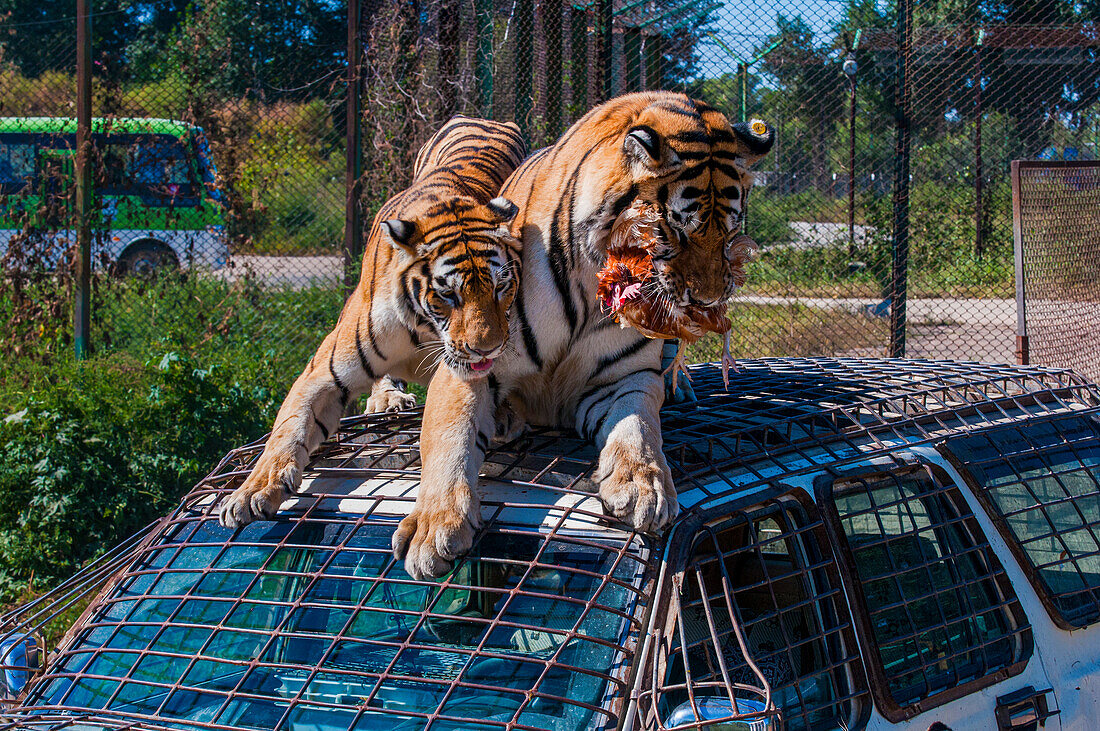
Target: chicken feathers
(627, 287)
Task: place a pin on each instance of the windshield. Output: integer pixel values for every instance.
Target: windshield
(313, 625)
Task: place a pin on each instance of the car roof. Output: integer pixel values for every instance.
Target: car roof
(779, 418)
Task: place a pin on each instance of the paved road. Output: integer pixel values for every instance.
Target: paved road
(296, 272)
(811, 235)
(933, 310)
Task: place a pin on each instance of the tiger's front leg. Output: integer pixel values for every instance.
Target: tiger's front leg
(635, 482)
(310, 412)
(458, 422)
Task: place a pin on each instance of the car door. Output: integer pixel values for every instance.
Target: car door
(946, 633)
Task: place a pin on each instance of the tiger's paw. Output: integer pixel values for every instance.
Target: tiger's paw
(429, 540)
(387, 397)
(637, 489)
(509, 425)
(260, 496)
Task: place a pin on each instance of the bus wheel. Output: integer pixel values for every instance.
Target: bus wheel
(146, 258)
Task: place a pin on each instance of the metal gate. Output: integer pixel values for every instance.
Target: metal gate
(1056, 228)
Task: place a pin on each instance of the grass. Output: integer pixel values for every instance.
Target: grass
(767, 331)
(942, 260)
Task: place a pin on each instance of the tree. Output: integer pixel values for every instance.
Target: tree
(269, 49)
(812, 95)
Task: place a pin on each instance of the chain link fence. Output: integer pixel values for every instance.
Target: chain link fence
(883, 212)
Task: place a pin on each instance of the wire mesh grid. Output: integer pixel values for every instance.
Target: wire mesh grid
(1057, 291)
(310, 619)
(550, 584)
(217, 177)
(1039, 486)
(935, 605)
(268, 87)
(788, 416)
(758, 622)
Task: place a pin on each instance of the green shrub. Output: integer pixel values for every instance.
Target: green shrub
(104, 448)
(767, 220)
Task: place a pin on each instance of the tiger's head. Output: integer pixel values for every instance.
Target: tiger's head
(686, 157)
(460, 277)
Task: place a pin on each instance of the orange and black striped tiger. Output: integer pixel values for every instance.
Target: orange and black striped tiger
(440, 271)
(571, 364)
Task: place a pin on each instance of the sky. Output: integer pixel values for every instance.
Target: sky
(744, 24)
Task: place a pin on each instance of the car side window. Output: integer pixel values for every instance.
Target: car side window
(765, 568)
(935, 609)
(1040, 483)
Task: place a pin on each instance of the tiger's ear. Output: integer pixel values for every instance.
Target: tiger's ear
(401, 234)
(757, 136)
(504, 209)
(643, 144)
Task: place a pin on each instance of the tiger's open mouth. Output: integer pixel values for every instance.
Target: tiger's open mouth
(469, 370)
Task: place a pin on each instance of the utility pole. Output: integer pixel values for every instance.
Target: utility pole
(850, 69)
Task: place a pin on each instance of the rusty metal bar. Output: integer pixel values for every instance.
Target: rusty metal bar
(353, 172)
(899, 270)
(552, 21)
(605, 20)
(85, 153)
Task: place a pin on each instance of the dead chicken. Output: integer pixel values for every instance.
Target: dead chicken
(627, 285)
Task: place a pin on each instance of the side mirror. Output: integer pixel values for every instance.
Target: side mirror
(21, 655)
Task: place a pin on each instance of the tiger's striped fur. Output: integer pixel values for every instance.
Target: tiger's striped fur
(570, 364)
(439, 275)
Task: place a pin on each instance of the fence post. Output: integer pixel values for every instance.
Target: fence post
(979, 172)
(551, 25)
(604, 20)
(447, 65)
(578, 67)
(632, 58)
(653, 56)
(525, 64)
(1023, 356)
(900, 259)
(484, 62)
(353, 234)
(82, 299)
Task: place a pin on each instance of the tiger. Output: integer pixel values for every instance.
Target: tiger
(439, 275)
(571, 365)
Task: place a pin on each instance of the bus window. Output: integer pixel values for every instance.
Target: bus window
(162, 167)
(112, 177)
(16, 165)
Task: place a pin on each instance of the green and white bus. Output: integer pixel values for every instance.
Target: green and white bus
(157, 204)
